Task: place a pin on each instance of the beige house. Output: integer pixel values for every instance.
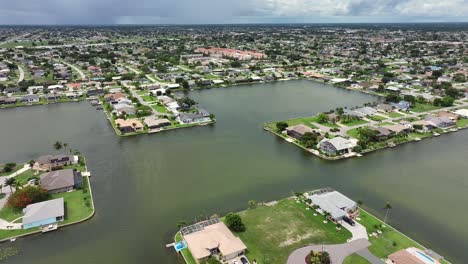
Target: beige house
(214, 239)
(411, 255)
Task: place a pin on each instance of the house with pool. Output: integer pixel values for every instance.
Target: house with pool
(413, 255)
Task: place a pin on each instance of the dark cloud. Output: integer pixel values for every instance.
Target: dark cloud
(197, 11)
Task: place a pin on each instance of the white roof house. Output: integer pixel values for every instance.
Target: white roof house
(335, 145)
(462, 112)
(47, 212)
(334, 203)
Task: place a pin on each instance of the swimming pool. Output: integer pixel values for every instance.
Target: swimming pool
(425, 256)
(180, 245)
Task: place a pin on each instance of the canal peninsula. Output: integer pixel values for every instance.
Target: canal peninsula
(45, 194)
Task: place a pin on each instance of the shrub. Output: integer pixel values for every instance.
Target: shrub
(9, 167)
(234, 222)
(27, 195)
(280, 126)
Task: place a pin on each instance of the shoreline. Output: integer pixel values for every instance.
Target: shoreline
(63, 225)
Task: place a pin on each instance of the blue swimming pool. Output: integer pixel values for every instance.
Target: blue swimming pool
(180, 245)
(425, 256)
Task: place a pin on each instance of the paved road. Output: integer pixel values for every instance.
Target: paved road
(337, 252)
(132, 69)
(21, 71)
(21, 74)
(80, 72)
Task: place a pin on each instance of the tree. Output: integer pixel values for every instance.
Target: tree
(27, 195)
(309, 139)
(409, 98)
(58, 145)
(9, 167)
(280, 126)
(447, 101)
(234, 222)
(359, 203)
(322, 118)
(392, 98)
(31, 163)
(10, 182)
(387, 207)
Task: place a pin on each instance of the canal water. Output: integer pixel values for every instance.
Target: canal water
(144, 185)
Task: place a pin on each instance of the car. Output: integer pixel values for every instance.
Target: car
(244, 260)
(349, 221)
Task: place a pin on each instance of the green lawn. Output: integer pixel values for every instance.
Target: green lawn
(355, 259)
(355, 122)
(389, 241)
(419, 108)
(147, 98)
(273, 232)
(143, 92)
(78, 204)
(419, 135)
(461, 123)
(160, 108)
(377, 118)
(353, 133)
(394, 114)
(385, 124)
(296, 121)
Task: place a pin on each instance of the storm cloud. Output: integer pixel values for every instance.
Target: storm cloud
(228, 11)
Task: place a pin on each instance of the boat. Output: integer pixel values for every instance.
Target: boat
(49, 228)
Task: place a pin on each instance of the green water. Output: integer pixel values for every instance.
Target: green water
(143, 185)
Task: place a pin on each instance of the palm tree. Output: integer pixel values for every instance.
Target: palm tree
(58, 145)
(387, 207)
(10, 182)
(65, 145)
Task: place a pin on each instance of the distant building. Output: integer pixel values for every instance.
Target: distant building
(298, 131)
(47, 162)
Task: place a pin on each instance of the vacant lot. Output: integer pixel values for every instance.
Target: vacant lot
(274, 232)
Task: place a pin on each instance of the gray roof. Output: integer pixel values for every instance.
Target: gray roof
(43, 210)
(59, 179)
(339, 143)
(334, 203)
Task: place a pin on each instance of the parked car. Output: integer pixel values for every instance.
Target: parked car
(349, 221)
(244, 260)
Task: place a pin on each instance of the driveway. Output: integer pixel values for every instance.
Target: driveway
(358, 231)
(337, 252)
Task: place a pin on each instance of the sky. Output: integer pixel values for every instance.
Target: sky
(45, 12)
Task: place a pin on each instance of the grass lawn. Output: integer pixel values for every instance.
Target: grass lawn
(16, 168)
(160, 108)
(189, 259)
(327, 124)
(419, 135)
(273, 232)
(355, 259)
(377, 118)
(355, 122)
(25, 176)
(462, 123)
(389, 241)
(77, 203)
(296, 121)
(395, 114)
(419, 108)
(353, 132)
(142, 92)
(147, 98)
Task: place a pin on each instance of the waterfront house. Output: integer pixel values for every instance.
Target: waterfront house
(450, 115)
(190, 118)
(95, 92)
(383, 133)
(298, 131)
(399, 129)
(366, 111)
(43, 213)
(124, 108)
(30, 98)
(8, 100)
(462, 113)
(336, 146)
(212, 237)
(47, 162)
(153, 122)
(61, 180)
(411, 255)
(129, 125)
(334, 203)
(440, 121)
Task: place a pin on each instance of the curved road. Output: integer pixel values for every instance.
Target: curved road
(21, 71)
(82, 75)
(337, 252)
